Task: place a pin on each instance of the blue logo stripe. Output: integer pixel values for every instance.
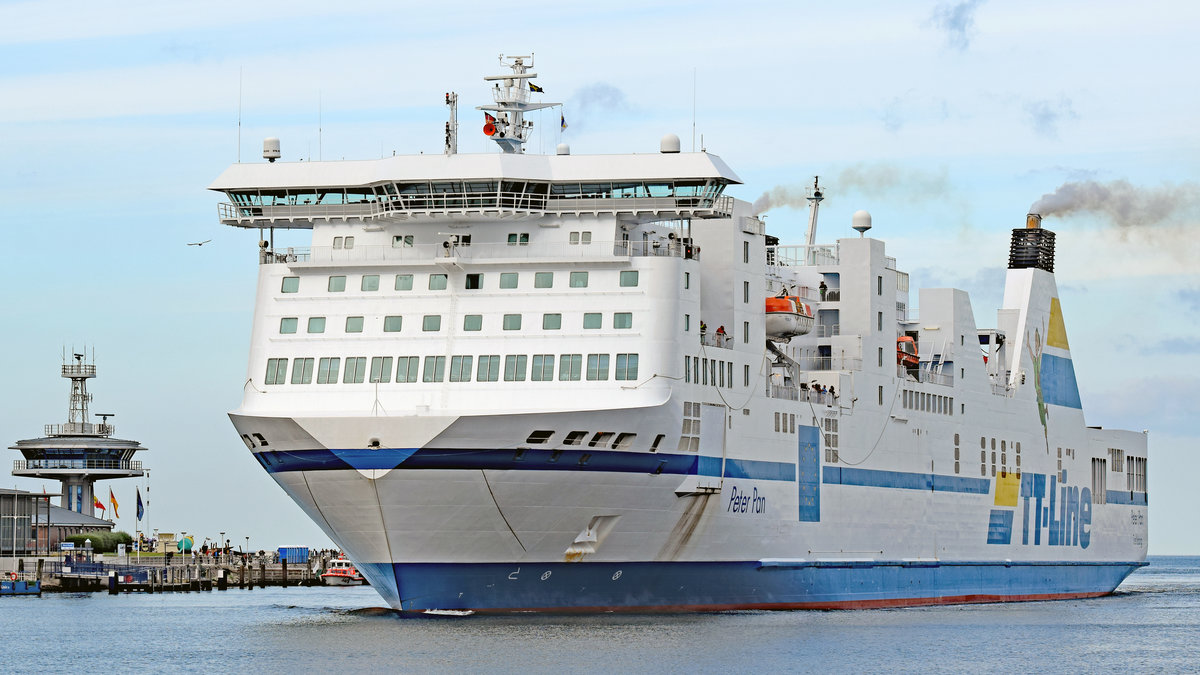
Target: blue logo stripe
(905, 481)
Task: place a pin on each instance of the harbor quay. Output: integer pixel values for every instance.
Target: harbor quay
(151, 573)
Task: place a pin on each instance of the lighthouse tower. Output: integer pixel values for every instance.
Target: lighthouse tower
(79, 452)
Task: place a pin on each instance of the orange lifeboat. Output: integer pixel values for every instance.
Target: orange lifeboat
(787, 317)
(906, 352)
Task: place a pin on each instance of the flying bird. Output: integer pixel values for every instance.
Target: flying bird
(199, 243)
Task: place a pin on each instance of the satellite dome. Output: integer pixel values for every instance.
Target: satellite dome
(271, 149)
(563, 149)
(669, 144)
(861, 221)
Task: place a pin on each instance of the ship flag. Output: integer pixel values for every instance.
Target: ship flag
(488, 118)
(141, 510)
(113, 500)
(562, 120)
(97, 503)
(534, 87)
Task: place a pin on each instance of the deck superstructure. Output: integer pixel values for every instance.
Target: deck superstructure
(517, 381)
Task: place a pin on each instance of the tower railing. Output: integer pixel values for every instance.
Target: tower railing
(80, 429)
(40, 464)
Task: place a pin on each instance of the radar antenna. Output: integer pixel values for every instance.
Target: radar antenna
(509, 128)
(814, 201)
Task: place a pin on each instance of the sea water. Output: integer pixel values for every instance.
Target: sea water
(1152, 623)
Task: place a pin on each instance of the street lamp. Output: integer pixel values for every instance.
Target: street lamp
(221, 544)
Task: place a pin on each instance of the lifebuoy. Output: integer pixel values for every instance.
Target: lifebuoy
(12, 576)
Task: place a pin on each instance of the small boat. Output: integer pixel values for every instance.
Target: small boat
(341, 572)
(787, 317)
(15, 583)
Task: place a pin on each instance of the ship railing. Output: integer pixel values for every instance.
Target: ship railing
(41, 464)
(803, 255)
(79, 429)
(429, 253)
(486, 203)
(782, 391)
(716, 340)
(829, 362)
(832, 295)
(78, 370)
(822, 330)
(932, 377)
(803, 394)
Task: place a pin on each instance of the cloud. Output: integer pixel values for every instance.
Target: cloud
(957, 21)
(1184, 345)
(1045, 116)
(1190, 298)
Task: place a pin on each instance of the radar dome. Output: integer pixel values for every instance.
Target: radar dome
(861, 221)
(271, 149)
(563, 149)
(669, 143)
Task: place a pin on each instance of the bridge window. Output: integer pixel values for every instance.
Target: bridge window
(489, 368)
(543, 279)
(551, 321)
(623, 320)
(570, 367)
(431, 323)
(474, 282)
(592, 320)
(627, 367)
(597, 367)
(337, 284)
(327, 370)
(302, 371)
(435, 369)
(381, 369)
(287, 325)
(460, 368)
(579, 280)
(316, 324)
(508, 280)
(473, 322)
(354, 324)
(393, 324)
(512, 322)
(629, 278)
(518, 239)
(402, 241)
(437, 282)
(404, 282)
(290, 285)
(370, 282)
(539, 437)
(514, 367)
(543, 368)
(356, 370)
(276, 371)
(406, 368)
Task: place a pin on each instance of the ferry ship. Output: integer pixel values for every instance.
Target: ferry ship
(526, 382)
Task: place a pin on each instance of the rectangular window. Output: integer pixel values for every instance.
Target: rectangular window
(551, 321)
(356, 370)
(337, 284)
(302, 371)
(729, 372)
(597, 367)
(370, 282)
(276, 371)
(629, 278)
(381, 369)
(431, 323)
(406, 368)
(570, 367)
(687, 322)
(473, 322)
(592, 320)
(703, 371)
(512, 322)
(404, 282)
(337, 242)
(881, 357)
(627, 367)
(878, 285)
(880, 321)
(489, 368)
(745, 376)
(746, 332)
(402, 241)
(881, 395)
(579, 279)
(316, 324)
(327, 370)
(623, 320)
(745, 291)
(287, 325)
(687, 280)
(392, 324)
(437, 282)
(521, 238)
(745, 251)
(543, 279)
(687, 369)
(721, 373)
(435, 369)
(543, 368)
(290, 285)
(354, 324)
(460, 368)
(474, 282)
(514, 367)
(508, 280)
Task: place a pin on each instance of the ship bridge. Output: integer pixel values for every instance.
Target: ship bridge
(639, 187)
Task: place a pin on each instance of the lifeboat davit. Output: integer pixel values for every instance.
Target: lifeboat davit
(787, 317)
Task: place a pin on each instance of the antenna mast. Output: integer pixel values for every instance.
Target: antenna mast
(814, 202)
(509, 129)
(452, 125)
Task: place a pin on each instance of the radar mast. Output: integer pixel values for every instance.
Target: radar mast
(509, 128)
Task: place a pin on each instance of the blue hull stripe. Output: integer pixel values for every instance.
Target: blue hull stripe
(1125, 497)
(532, 459)
(767, 584)
(909, 481)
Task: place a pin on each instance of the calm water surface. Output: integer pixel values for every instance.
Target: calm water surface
(1152, 623)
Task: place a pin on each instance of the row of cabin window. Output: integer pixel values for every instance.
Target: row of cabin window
(706, 371)
(487, 368)
(925, 402)
(514, 239)
(472, 282)
(432, 323)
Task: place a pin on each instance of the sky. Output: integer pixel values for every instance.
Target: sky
(945, 120)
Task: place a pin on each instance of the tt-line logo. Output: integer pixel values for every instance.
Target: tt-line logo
(1060, 512)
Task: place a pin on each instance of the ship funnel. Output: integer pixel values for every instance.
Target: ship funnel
(1032, 246)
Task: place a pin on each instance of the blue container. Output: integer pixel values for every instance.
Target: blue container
(293, 554)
